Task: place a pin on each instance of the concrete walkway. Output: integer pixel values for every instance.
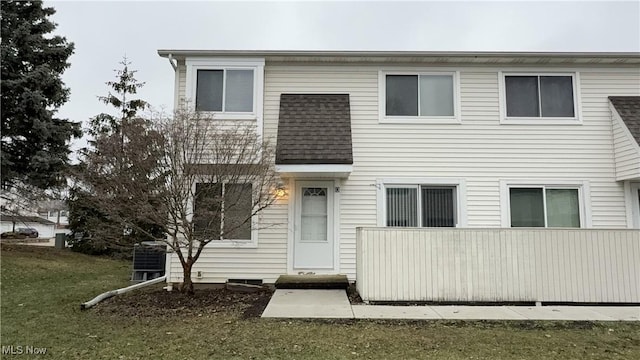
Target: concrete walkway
(335, 304)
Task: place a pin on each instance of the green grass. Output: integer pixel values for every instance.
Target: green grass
(42, 289)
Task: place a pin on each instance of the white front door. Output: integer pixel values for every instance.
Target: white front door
(313, 228)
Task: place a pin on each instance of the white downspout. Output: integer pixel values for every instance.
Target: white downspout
(176, 82)
(112, 293)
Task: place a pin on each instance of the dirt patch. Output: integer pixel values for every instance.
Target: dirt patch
(353, 295)
(205, 302)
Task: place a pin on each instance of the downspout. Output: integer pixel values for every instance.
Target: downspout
(173, 62)
(112, 293)
(176, 86)
(176, 82)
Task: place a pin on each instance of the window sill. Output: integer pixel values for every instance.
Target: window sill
(230, 244)
(419, 120)
(230, 116)
(540, 121)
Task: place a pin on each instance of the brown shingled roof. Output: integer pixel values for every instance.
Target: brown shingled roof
(314, 129)
(628, 107)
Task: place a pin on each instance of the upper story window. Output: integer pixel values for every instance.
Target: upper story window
(229, 87)
(225, 90)
(539, 98)
(417, 97)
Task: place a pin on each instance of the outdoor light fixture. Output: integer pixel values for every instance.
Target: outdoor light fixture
(280, 191)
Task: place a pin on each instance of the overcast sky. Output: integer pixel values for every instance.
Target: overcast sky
(103, 32)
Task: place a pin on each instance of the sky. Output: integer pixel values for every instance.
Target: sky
(105, 31)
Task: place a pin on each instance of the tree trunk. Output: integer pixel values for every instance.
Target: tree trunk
(187, 284)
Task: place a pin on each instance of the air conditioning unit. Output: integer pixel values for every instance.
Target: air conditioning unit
(149, 258)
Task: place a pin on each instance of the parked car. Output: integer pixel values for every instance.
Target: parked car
(29, 232)
(12, 235)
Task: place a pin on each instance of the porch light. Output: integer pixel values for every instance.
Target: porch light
(280, 191)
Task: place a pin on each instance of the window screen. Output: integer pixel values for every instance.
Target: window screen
(522, 96)
(237, 211)
(207, 209)
(402, 95)
(556, 94)
(209, 89)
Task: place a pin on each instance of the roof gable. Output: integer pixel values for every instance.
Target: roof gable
(314, 129)
(628, 107)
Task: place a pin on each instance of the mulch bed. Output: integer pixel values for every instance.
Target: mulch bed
(205, 302)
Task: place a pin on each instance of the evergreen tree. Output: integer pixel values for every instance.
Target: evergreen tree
(122, 156)
(35, 145)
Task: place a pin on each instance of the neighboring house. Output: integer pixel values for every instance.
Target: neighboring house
(57, 212)
(45, 228)
(491, 145)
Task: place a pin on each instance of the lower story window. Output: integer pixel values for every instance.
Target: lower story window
(544, 207)
(223, 211)
(421, 206)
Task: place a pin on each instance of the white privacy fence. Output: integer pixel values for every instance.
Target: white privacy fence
(547, 265)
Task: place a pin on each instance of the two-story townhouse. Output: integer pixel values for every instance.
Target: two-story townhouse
(484, 141)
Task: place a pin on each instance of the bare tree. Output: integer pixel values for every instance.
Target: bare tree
(20, 200)
(210, 182)
(219, 177)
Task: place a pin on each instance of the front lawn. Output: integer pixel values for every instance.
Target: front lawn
(42, 289)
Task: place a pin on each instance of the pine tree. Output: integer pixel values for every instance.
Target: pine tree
(35, 142)
(123, 151)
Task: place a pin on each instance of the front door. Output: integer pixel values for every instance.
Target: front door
(313, 229)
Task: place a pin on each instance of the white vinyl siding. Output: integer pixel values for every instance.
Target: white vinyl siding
(478, 149)
(266, 261)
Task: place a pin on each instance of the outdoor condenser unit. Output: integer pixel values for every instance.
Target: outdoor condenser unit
(149, 259)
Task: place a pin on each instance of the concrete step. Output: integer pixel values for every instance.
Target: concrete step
(312, 282)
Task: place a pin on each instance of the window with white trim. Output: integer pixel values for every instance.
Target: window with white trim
(228, 90)
(421, 206)
(423, 95)
(544, 206)
(540, 96)
(223, 211)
